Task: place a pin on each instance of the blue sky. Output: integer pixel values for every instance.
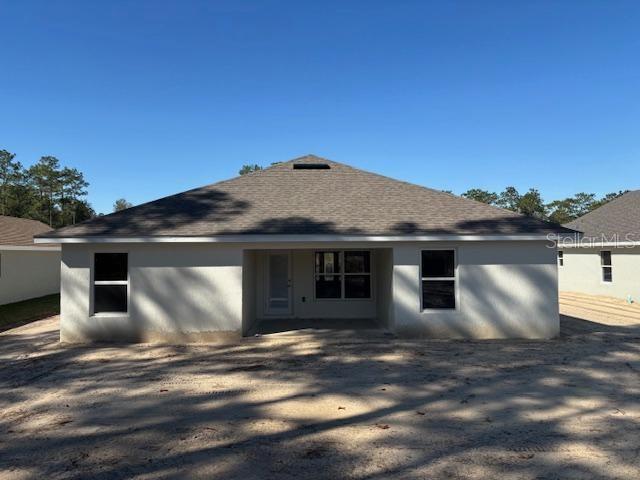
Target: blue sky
(150, 98)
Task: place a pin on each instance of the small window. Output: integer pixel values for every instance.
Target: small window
(438, 280)
(607, 269)
(352, 282)
(560, 258)
(110, 282)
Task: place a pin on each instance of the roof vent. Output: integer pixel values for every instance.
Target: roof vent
(311, 166)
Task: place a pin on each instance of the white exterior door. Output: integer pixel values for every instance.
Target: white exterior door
(278, 283)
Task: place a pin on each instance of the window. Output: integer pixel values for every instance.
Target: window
(560, 258)
(343, 274)
(605, 261)
(110, 282)
(438, 279)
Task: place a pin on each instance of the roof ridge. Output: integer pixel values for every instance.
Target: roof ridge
(443, 193)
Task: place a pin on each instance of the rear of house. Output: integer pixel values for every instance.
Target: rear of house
(26, 270)
(307, 242)
(605, 259)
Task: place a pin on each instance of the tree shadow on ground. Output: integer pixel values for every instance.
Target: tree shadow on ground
(323, 407)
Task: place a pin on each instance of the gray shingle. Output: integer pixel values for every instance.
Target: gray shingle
(284, 200)
(19, 232)
(619, 217)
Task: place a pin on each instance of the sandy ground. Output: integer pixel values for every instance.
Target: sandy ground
(320, 405)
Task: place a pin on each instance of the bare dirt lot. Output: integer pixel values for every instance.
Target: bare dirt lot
(328, 405)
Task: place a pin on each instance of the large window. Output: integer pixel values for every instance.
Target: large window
(110, 282)
(438, 279)
(607, 270)
(343, 274)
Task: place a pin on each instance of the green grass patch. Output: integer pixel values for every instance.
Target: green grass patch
(19, 313)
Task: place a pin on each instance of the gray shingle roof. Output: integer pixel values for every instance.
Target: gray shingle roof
(19, 232)
(284, 200)
(619, 217)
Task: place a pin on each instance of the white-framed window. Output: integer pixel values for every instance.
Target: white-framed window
(110, 283)
(607, 269)
(438, 278)
(343, 274)
(560, 258)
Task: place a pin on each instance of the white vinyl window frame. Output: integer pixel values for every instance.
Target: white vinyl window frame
(95, 282)
(604, 267)
(560, 258)
(342, 274)
(455, 279)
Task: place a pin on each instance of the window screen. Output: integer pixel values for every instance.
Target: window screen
(438, 279)
(110, 282)
(607, 268)
(332, 281)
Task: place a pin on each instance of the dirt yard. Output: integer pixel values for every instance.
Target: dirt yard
(328, 405)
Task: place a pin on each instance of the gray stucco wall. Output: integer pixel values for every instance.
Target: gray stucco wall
(200, 292)
(28, 274)
(505, 290)
(582, 272)
(177, 292)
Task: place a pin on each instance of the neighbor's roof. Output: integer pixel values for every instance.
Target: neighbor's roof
(282, 199)
(19, 232)
(619, 217)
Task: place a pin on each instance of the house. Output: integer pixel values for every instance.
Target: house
(26, 270)
(605, 260)
(308, 240)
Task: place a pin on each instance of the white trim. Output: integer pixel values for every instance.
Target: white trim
(34, 248)
(455, 279)
(342, 274)
(603, 266)
(292, 238)
(587, 244)
(94, 282)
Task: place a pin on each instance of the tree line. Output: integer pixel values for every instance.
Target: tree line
(532, 204)
(56, 195)
(46, 191)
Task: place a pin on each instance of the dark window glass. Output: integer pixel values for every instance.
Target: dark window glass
(607, 275)
(605, 258)
(438, 294)
(561, 258)
(110, 298)
(437, 263)
(356, 262)
(357, 286)
(110, 267)
(328, 286)
(327, 262)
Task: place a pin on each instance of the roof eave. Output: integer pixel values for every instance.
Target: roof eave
(277, 238)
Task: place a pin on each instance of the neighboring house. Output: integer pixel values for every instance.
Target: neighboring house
(26, 270)
(606, 259)
(308, 239)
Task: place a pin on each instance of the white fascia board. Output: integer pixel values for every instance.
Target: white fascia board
(295, 238)
(55, 248)
(587, 244)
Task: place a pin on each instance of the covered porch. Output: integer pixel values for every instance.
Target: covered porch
(328, 288)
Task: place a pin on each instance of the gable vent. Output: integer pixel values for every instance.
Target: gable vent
(311, 166)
